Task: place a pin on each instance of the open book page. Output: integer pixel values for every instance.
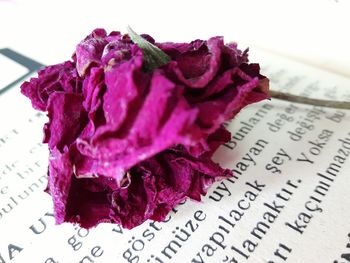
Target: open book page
(287, 202)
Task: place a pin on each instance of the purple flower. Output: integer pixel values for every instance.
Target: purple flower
(127, 145)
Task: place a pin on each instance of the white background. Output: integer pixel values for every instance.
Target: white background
(314, 31)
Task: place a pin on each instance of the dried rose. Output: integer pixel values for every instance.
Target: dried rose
(131, 134)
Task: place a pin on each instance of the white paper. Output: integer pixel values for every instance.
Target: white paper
(280, 153)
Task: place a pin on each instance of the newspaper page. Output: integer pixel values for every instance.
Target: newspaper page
(288, 200)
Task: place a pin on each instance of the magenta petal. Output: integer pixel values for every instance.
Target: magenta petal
(196, 68)
(158, 184)
(83, 201)
(163, 119)
(60, 176)
(60, 77)
(89, 51)
(66, 119)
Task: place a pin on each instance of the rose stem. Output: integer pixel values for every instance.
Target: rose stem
(317, 102)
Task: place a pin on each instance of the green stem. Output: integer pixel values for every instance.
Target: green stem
(304, 100)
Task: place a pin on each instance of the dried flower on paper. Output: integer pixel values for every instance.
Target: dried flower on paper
(129, 141)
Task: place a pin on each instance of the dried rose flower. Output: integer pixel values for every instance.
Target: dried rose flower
(128, 143)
